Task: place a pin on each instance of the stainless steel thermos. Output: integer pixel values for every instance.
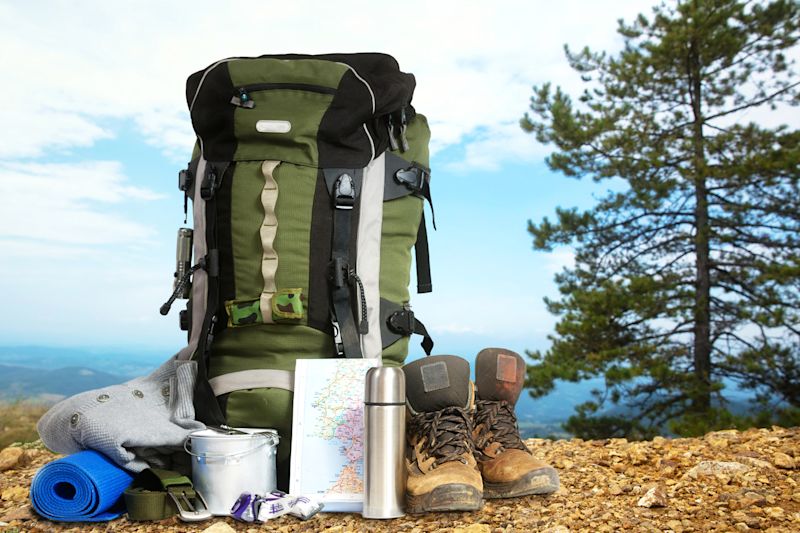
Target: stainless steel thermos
(183, 261)
(384, 438)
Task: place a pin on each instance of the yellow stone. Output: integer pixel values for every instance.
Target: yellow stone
(15, 494)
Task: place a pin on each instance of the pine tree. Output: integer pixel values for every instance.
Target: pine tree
(687, 273)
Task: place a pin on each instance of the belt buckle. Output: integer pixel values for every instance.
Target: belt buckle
(187, 511)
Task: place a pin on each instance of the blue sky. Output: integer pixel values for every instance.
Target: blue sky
(95, 130)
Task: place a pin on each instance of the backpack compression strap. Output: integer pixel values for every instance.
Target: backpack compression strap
(402, 179)
(344, 186)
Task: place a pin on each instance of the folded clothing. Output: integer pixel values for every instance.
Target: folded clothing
(85, 487)
(138, 424)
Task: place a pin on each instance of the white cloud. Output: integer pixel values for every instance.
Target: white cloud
(75, 67)
(44, 131)
(558, 259)
(68, 204)
(491, 146)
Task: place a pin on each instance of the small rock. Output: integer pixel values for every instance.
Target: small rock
(219, 527)
(781, 460)
(773, 512)
(741, 526)
(753, 461)
(712, 468)
(655, 497)
(667, 466)
(23, 513)
(10, 458)
(675, 525)
(752, 498)
(474, 528)
(796, 497)
(614, 489)
(14, 494)
(556, 529)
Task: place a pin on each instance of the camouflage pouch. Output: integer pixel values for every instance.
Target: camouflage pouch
(244, 313)
(287, 305)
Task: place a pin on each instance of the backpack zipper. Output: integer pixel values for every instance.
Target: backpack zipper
(242, 97)
(226, 60)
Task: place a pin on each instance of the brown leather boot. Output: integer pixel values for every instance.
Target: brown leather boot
(442, 472)
(508, 467)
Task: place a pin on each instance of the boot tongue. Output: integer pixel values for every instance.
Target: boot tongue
(437, 382)
(499, 375)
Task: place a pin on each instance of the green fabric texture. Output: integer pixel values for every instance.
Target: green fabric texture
(270, 70)
(399, 233)
(302, 109)
(275, 346)
(267, 408)
(296, 186)
(247, 216)
(395, 354)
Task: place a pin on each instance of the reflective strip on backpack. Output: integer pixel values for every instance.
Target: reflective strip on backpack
(269, 229)
(200, 277)
(252, 379)
(368, 264)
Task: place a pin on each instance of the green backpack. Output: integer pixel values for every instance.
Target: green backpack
(307, 185)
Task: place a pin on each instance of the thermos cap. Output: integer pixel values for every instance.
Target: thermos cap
(385, 385)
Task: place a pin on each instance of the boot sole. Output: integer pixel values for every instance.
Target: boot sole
(450, 497)
(541, 481)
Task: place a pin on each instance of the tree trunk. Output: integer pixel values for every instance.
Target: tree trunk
(701, 400)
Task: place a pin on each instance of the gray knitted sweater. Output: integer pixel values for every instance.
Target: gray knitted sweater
(138, 424)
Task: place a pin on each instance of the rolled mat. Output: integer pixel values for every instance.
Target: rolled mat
(84, 487)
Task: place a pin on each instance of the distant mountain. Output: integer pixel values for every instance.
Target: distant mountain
(28, 372)
(18, 382)
(113, 361)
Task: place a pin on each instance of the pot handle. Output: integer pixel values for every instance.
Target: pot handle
(187, 449)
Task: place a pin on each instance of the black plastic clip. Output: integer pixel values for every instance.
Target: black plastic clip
(340, 272)
(185, 180)
(414, 178)
(210, 183)
(403, 128)
(402, 322)
(344, 192)
(390, 127)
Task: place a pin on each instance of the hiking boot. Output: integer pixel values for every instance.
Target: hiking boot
(507, 466)
(442, 472)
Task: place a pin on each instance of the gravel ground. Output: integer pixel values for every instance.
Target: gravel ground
(725, 481)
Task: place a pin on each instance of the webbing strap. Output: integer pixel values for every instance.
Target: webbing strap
(422, 258)
(344, 197)
(206, 406)
(148, 496)
(403, 179)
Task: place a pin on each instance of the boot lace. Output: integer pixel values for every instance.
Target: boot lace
(498, 423)
(447, 433)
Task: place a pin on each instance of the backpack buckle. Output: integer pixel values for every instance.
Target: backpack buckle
(185, 180)
(402, 322)
(344, 192)
(413, 178)
(210, 183)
